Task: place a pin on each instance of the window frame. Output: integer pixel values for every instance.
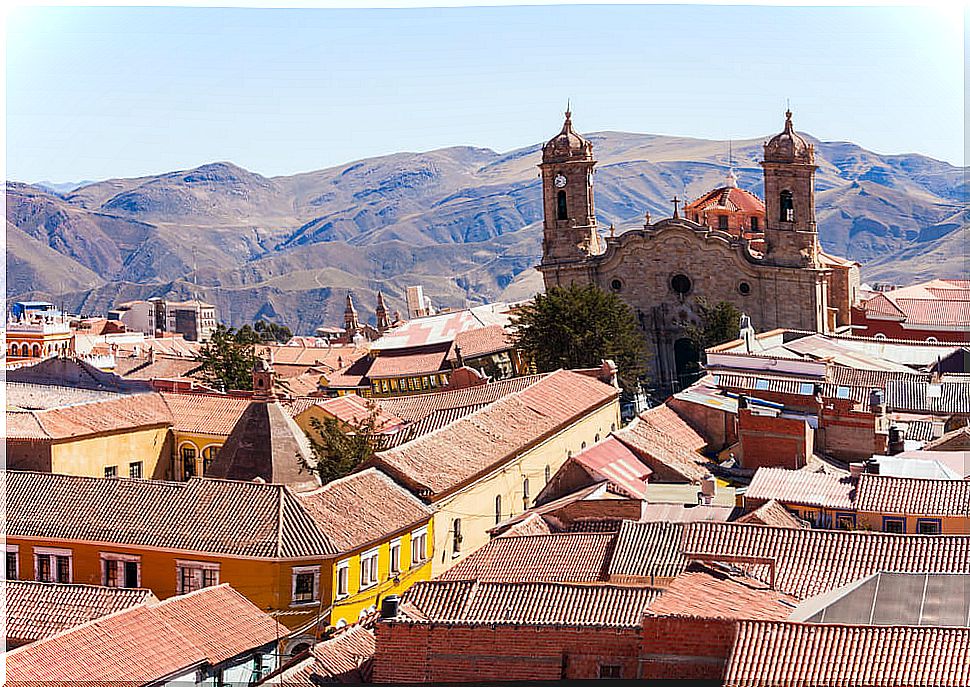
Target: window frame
(13, 550)
(53, 554)
(419, 554)
(110, 471)
(303, 571)
(937, 522)
(370, 559)
(141, 469)
(842, 515)
(202, 567)
(609, 668)
(343, 579)
(106, 557)
(394, 557)
(896, 520)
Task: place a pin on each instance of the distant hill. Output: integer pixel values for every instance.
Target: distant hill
(463, 222)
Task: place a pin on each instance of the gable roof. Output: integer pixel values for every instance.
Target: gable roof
(39, 609)
(646, 550)
(802, 487)
(809, 561)
(346, 658)
(266, 443)
(766, 654)
(362, 508)
(148, 642)
(455, 454)
(119, 413)
(611, 460)
(666, 444)
(202, 515)
(74, 372)
(417, 406)
(913, 496)
(772, 514)
(204, 413)
(528, 603)
(560, 557)
(350, 409)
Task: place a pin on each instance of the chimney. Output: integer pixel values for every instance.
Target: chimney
(856, 470)
(897, 439)
(708, 491)
(390, 606)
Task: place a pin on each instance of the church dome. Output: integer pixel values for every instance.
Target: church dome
(788, 146)
(567, 144)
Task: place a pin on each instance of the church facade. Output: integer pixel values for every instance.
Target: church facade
(771, 268)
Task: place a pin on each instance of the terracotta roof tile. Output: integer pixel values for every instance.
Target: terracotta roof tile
(349, 409)
(161, 367)
(612, 460)
(912, 496)
(557, 557)
(429, 423)
(39, 609)
(810, 561)
(204, 413)
(666, 444)
(203, 514)
(45, 396)
(530, 603)
(772, 514)
(117, 414)
(148, 642)
(478, 342)
(346, 658)
(727, 198)
(362, 508)
(646, 550)
(417, 406)
(458, 452)
(705, 592)
(802, 487)
(409, 362)
(779, 653)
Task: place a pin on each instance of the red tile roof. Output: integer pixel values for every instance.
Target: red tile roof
(561, 557)
(478, 342)
(346, 658)
(459, 452)
(942, 304)
(332, 356)
(912, 496)
(727, 198)
(418, 406)
(349, 409)
(611, 460)
(362, 508)
(410, 362)
(810, 561)
(148, 642)
(39, 609)
(122, 413)
(529, 603)
(768, 654)
(772, 514)
(204, 413)
(647, 550)
(667, 444)
(705, 592)
(802, 487)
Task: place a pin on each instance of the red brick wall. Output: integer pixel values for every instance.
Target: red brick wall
(716, 426)
(849, 434)
(600, 509)
(685, 648)
(463, 653)
(773, 441)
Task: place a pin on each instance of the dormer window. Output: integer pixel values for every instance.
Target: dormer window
(786, 203)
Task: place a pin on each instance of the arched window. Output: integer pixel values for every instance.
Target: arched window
(548, 474)
(14, 350)
(498, 509)
(209, 454)
(786, 204)
(456, 531)
(188, 452)
(525, 492)
(561, 210)
(36, 350)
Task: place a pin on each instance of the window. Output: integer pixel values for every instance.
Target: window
(879, 335)
(548, 474)
(562, 211)
(343, 578)
(419, 546)
(13, 562)
(842, 392)
(722, 222)
(209, 454)
(188, 461)
(111, 471)
(754, 224)
(926, 526)
(582, 446)
(120, 570)
(498, 509)
(53, 565)
(194, 575)
(305, 584)
(932, 339)
(845, 521)
(616, 285)
(786, 205)
(395, 550)
(456, 536)
(525, 491)
(894, 525)
(368, 568)
(681, 284)
(806, 388)
(744, 288)
(761, 384)
(134, 470)
(611, 672)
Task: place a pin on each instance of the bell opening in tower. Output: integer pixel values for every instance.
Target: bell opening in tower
(561, 210)
(787, 204)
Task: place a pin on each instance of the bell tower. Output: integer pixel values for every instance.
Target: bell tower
(789, 168)
(569, 226)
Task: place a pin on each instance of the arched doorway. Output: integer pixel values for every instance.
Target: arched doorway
(687, 362)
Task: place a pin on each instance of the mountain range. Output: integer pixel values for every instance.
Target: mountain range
(464, 223)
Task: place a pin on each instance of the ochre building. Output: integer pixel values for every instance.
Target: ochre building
(772, 269)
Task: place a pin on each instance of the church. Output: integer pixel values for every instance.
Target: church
(762, 256)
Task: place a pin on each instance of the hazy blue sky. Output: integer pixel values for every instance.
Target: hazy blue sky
(100, 92)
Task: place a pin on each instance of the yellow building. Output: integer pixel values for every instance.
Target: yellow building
(92, 433)
(349, 410)
(286, 553)
(488, 466)
(38, 337)
(201, 423)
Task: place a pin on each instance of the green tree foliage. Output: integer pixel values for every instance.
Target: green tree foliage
(340, 447)
(719, 322)
(228, 358)
(270, 332)
(578, 327)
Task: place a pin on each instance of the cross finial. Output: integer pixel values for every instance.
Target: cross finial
(612, 230)
(569, 112)
(676, 201)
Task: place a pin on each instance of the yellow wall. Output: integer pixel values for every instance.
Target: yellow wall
(200, 442)
(475, 504)
(348, 608)
(88, 456)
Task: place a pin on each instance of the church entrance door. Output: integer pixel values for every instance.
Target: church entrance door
(687, 362)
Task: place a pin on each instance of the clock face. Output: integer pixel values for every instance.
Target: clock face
(559, 181)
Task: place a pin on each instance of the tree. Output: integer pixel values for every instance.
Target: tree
(228, 358)
(719, 322)
(579, 326)
(343, 446)
(270, 332)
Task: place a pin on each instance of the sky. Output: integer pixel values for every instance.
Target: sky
(101, 92)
